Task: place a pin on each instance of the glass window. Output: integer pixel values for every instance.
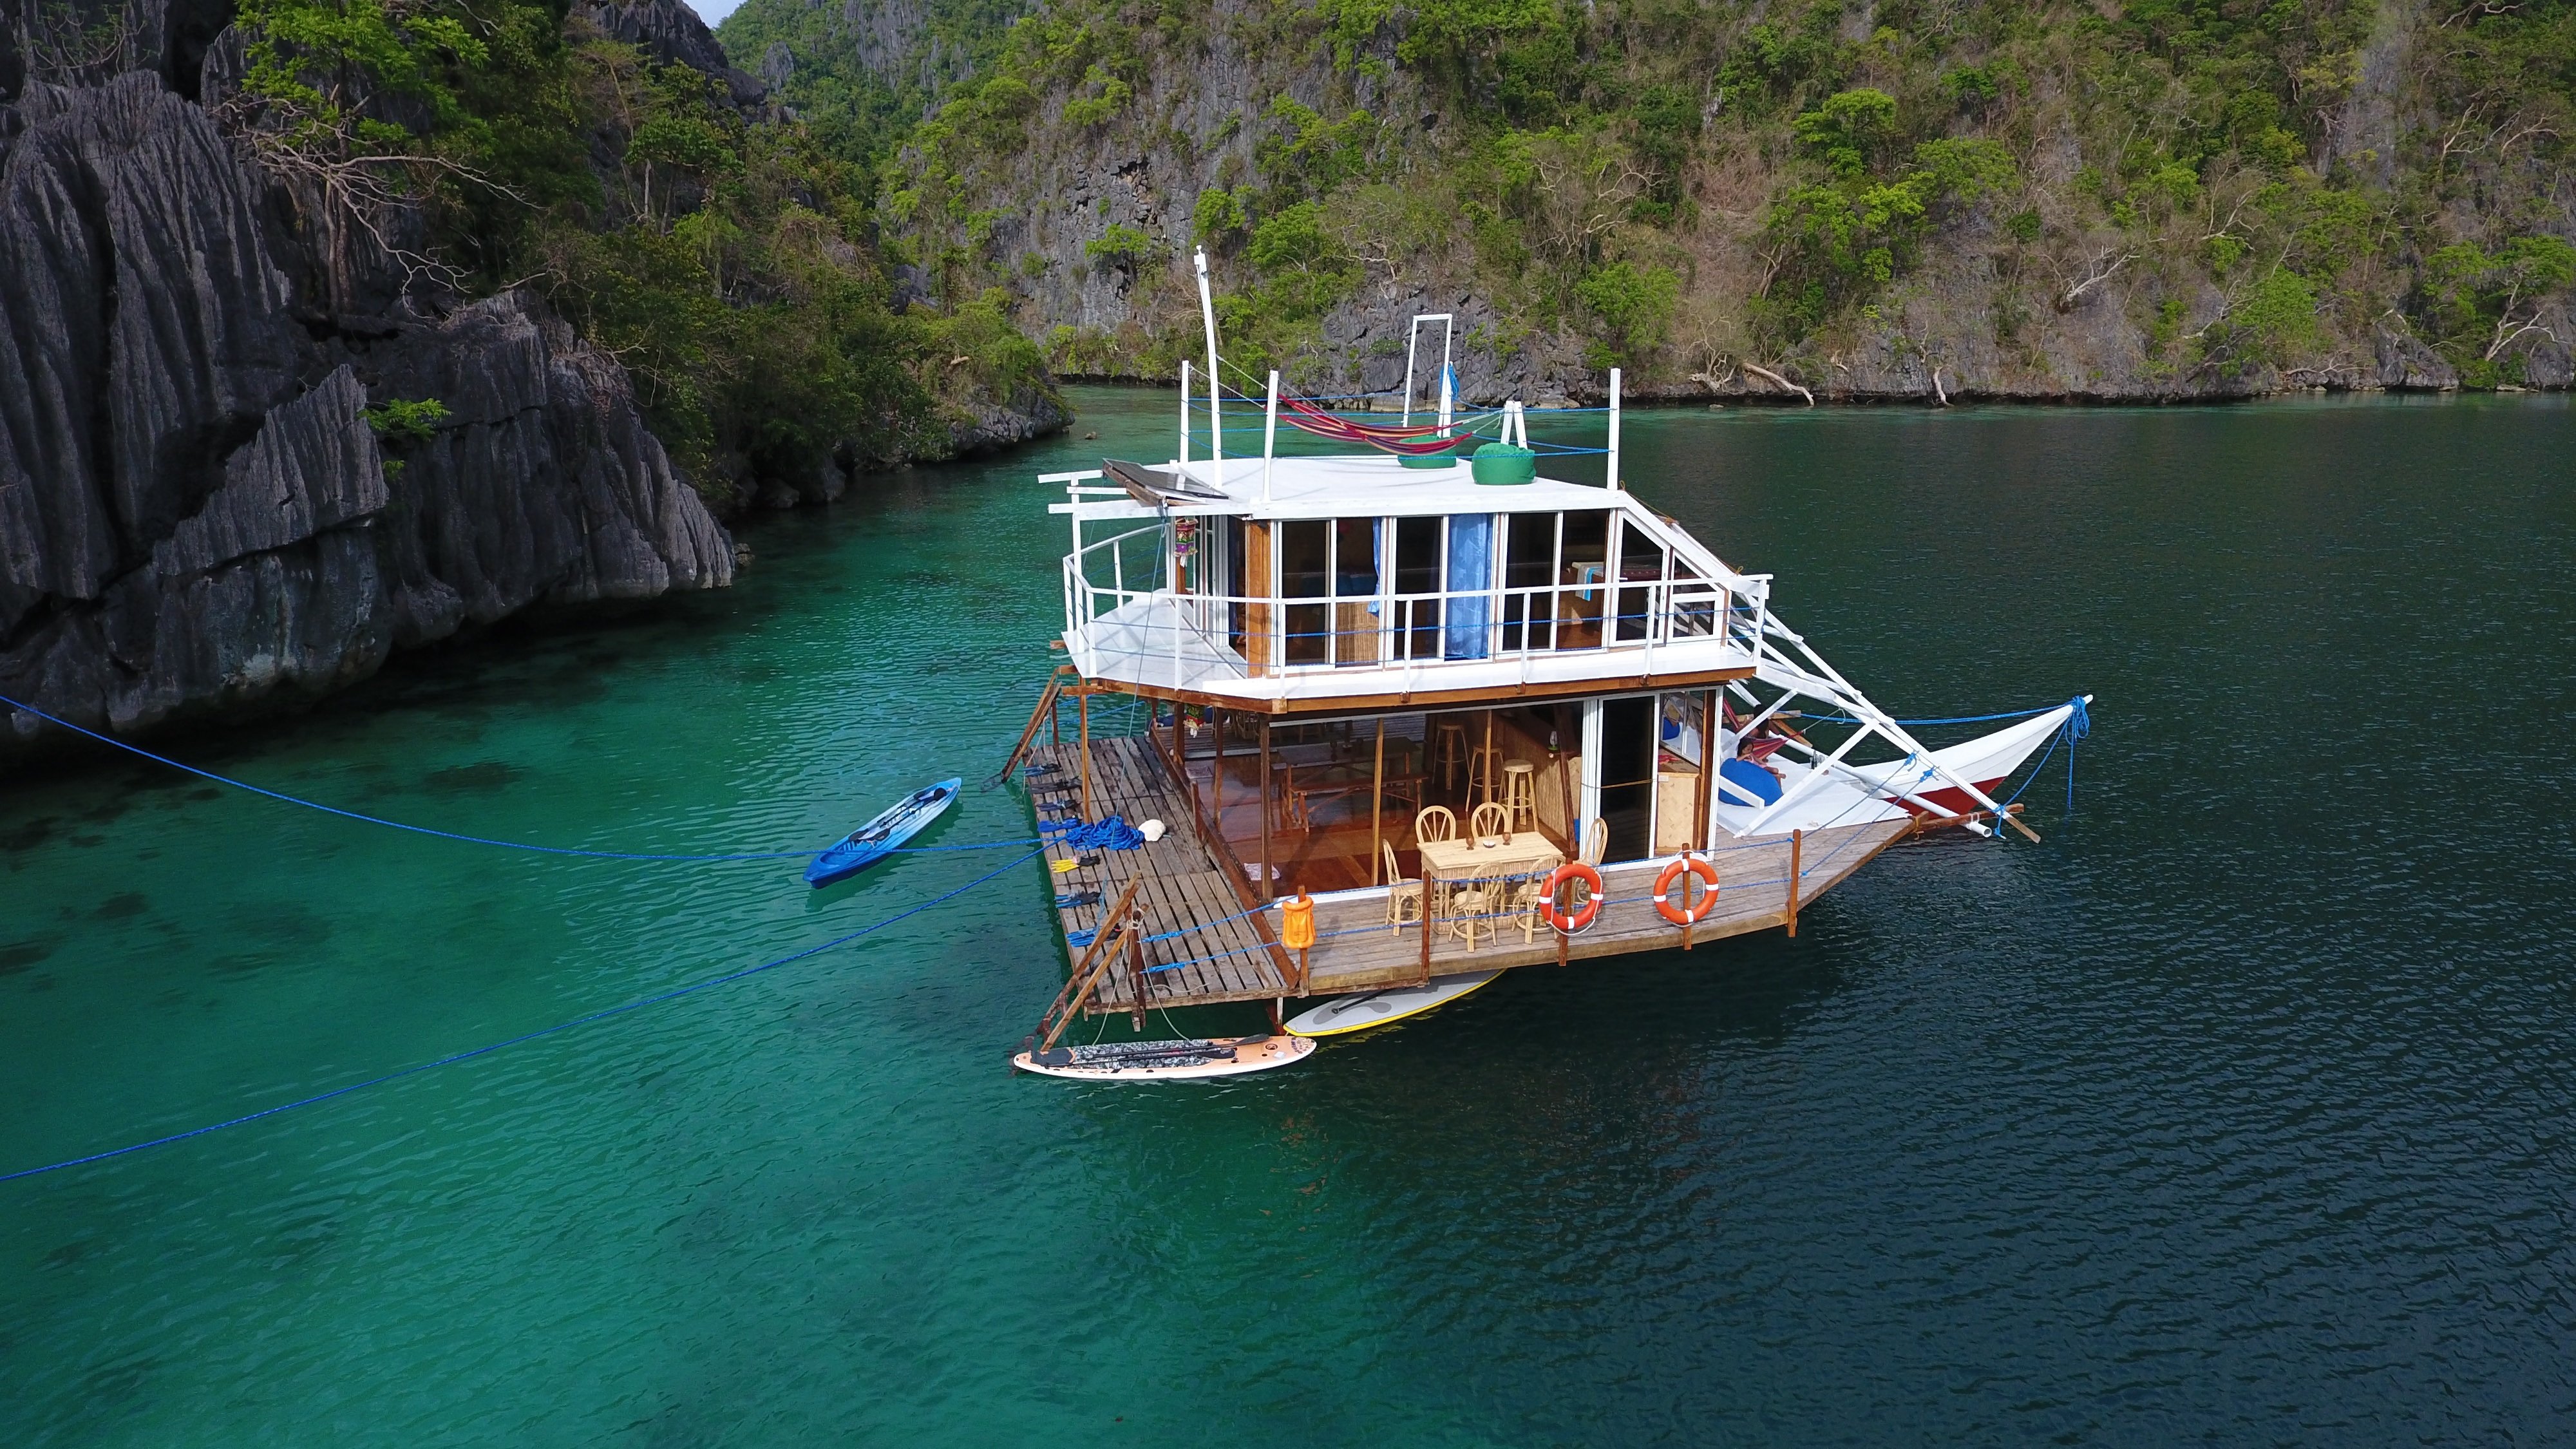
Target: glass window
(1304, 563)
(1582, 568)
(1641, 573)
(1417, 571)
(1355, 590)
(1529, 562)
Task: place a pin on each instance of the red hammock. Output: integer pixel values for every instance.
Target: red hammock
(1413, 439)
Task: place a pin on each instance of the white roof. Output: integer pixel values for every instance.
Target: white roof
(1377, 485)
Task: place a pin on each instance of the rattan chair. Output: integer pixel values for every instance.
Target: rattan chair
(1403, 897)
(1491, 824)
(1434, 822)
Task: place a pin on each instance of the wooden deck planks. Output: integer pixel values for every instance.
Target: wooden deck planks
(1227, 958)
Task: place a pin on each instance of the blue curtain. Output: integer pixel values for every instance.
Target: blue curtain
(1471, 566)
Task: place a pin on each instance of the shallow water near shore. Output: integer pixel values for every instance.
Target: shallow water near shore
(2238, 1109)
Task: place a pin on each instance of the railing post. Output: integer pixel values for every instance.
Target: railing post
(1797, 841)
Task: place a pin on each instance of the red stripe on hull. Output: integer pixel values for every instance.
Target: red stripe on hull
(1954, 799)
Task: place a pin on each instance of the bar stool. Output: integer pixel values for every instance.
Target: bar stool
(1520, 793)
(1448, 750)
(1481, 763)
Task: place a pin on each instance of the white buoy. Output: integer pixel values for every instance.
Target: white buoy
(1152, 830)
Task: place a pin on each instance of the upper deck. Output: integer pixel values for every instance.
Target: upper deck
(1292, 584)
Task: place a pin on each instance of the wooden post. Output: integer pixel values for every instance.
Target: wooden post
(1267, 889)
(1707, 769)
(1377, 805)
(1082, 702)
(1428, 896)
(1216, 776)
(1135, 928)
(1493, 769)
(1797, 840)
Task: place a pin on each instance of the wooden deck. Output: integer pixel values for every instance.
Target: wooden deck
(1191, 900)
(1229, 955)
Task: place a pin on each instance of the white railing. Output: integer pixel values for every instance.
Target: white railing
(1226, 633)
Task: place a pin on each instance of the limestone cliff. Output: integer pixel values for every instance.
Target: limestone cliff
(195, 513)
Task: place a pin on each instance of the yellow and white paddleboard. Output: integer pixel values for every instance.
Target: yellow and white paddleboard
(1377, 1008)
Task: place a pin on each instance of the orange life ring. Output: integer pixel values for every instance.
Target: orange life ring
(1557, 879)
(1668, 902)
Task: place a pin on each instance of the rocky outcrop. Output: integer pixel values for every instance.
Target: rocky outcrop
(2407, 365)
(672, 34)
(195, 512)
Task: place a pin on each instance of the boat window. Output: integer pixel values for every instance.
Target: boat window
(1304, 564)
(1355, 590)
(1695, 603)
(1641, 568)
(1417, 571)
(1582, 563)
(1471, 570)
(1529, 563)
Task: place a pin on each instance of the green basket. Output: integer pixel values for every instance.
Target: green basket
(1505, 463)
(1445, 458)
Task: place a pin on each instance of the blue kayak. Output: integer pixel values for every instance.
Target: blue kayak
(878, 838)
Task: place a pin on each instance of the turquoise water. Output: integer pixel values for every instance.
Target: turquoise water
(2239, 1109)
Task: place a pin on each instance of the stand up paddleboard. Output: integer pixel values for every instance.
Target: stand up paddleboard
(1132, 1061)
(1377, 1008)
(880, 837)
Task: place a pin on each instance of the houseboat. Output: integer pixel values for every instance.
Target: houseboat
(1407, 714)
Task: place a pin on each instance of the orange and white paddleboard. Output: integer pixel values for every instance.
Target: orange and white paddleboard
(1165, 1061)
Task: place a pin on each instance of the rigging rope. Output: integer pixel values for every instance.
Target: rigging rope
(584, 1020)
(453, 835)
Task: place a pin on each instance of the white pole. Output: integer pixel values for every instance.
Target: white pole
(1269, 436)
(1216, 379)
(1412, 340)
(1184, 455)
(1614, 430)
(1448, 330)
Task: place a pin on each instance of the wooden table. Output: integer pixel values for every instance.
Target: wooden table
(1462, 861)
(1299, 787)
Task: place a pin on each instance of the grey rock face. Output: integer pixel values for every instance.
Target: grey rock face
(195, 514)
(2407, 365)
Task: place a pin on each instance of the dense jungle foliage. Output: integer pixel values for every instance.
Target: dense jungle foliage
(1686, 184)
(724, 255)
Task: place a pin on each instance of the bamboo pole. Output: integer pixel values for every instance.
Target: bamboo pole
(1377, 806)
(1491, 769)
(1797, 842)
(1266, 889)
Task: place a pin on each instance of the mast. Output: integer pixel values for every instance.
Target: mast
(1216, 380)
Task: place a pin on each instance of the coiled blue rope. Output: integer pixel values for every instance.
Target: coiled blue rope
(453, 1058)
(1108, 833)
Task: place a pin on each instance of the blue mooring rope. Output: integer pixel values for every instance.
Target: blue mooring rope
(487, 1050)
(450, 834)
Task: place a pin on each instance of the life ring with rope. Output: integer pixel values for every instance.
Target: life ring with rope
(1557, 880)
(1669, 903)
